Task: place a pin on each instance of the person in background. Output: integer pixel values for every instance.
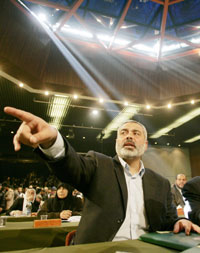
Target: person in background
(46, 193)
(20, 192)
(38, 198)
(2, 199)
(78, 194)
(9, 197)
(123, 199)
(53, 192)
(177, 196)
(24, 206)
(191, 191)
(63, 205)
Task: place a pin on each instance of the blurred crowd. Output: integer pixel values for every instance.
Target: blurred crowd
(18, 195)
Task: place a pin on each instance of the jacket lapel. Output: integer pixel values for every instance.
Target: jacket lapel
(121, 180)
(149, 193)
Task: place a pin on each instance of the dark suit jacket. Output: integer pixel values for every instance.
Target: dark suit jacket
(177, 198)
(191, 191)
(102, 181)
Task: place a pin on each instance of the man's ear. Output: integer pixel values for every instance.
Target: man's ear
(146, 145)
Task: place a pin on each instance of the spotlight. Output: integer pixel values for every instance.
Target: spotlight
(42, 17)
(21, 85)
(169, 106)
(148, 107)
(75, 96)
(46, 93)
(95, 112)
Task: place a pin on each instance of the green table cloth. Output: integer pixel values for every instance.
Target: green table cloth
(22, 235)
(128, 246)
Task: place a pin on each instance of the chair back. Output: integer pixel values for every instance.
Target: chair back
(69, 237)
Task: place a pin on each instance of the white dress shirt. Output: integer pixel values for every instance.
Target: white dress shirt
(135, 223)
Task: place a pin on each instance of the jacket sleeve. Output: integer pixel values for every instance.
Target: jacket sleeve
(75, 169)
(191, 191)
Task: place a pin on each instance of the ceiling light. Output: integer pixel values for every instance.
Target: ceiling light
(42, 17)
(21, 85)
(126, 103)
(46, 93)
(155, 143)
(61, 96)
(148, 107)
(57, 110)
(83, 137)
(196, 138)
(101, 100)
(179, 145)
(78, 32)
(95, 112)
(180, 121)
(12, 132)
(75, 96)
(192, 102)
(98, 20)
(168, 144)
(169, 106)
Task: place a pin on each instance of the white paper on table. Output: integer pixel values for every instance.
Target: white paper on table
(74, 218)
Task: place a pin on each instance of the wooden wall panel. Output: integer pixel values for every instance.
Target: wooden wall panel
(195, 159)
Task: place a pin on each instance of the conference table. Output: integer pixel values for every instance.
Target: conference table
(20, 218)
(22, 235)
(128, 246)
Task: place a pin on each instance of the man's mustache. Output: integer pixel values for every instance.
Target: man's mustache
(129, 143)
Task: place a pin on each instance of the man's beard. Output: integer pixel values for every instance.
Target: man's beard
(126, 153)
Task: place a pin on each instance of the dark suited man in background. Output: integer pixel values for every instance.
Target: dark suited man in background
(177, 196)
(123, 199)
(191, 191)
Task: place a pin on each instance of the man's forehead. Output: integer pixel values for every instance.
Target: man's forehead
(131, 125)
(181, 177)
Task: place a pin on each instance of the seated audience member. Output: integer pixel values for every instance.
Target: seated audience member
(20, 192)
(53, 192)
(63, 205)
(9, 196)
(21, 205)
(2, 200)
(38, 198)
(177, 196)
(191, 191)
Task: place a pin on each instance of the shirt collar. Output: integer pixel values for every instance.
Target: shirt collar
(126, 167)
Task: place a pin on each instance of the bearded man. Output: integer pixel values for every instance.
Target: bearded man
(122, 198)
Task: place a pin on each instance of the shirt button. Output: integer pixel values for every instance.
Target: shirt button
(119, 221)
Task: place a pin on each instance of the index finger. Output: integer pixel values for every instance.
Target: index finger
(20, 114)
